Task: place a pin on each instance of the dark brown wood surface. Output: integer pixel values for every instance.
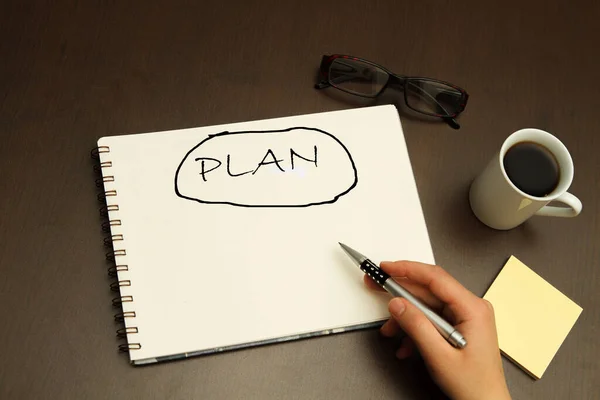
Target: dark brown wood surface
(72, 71)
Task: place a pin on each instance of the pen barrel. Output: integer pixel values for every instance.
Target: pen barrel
(446, 329)
(374, 272)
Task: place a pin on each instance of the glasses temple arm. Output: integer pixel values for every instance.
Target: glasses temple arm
(452, 122)
(449, 120)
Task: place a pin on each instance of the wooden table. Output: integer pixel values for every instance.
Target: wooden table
(73, 71)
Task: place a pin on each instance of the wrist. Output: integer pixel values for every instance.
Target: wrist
(500, 393)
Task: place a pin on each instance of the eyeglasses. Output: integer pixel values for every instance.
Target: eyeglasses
(366, 79)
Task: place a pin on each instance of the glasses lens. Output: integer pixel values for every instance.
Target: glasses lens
(433, 98)
(357, 77)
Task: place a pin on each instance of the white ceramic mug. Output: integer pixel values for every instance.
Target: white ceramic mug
(499, 204)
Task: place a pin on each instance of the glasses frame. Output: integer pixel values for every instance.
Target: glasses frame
(393, 80)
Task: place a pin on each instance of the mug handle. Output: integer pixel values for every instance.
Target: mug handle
(573, 210)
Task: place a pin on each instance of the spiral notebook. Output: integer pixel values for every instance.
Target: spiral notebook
(225, 237)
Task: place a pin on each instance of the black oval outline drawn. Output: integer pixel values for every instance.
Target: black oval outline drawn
(227, 133)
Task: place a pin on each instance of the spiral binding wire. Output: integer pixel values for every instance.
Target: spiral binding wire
(111, 241)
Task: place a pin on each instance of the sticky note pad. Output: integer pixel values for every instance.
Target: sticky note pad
(533, 318)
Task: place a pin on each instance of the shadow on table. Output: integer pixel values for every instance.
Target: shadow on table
(464, 227)
(409, 378)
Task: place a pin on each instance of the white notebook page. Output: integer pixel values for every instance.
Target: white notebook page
(209, 273)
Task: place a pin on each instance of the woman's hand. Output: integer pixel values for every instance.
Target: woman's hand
(474, 372)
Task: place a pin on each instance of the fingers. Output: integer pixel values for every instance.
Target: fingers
(422, 332)
(418, 290)
(441, 284)
(390, 328)
(406, 348)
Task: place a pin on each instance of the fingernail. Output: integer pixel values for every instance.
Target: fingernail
(396, 307)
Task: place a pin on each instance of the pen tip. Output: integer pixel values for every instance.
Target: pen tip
(353, 254)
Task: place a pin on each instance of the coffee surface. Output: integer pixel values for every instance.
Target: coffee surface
(532, 168)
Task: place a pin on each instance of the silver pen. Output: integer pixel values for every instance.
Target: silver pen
(391, 286)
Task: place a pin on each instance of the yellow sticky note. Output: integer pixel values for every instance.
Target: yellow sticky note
(533, 318)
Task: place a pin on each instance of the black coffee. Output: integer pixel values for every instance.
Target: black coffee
(532, 168)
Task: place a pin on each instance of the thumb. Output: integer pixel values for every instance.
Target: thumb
(426, 337)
